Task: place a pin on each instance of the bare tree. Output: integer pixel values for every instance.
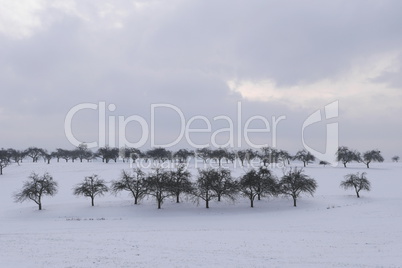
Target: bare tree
(58, 154)
(37, 187)
(204, 154)
(62, 153)
(74, 154)
(223, 184)
(356, 181)
(305, 156)
(82, 152)
(230, 156)
(215, 183)
(134, 183)
(345, 155)
(219, 154)
(295, 182)
(159, 154)
(249, 185)
(47, 156)
(269, 155)
(130, 153)
(183, 155)
(181, 182)
(257, 183)
(251, 154)
(159, 185)
(91, 187)
(372, 156)
(267, 182)
(16, 155)
(285, 157)
(242, 156)
(204, 186)
(107, 154)
(4, 160)
(34, 153)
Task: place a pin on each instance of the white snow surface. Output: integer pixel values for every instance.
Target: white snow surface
(332, 229)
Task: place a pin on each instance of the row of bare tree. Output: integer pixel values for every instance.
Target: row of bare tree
(210, 184)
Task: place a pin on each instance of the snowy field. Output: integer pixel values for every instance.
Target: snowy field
(331, 229)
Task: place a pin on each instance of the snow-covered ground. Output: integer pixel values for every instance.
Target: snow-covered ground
(331, 229)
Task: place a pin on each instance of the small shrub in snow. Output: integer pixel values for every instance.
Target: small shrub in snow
(324, 163)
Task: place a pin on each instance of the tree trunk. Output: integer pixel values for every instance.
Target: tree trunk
(1, 170)
(294, 201)
(159, 204)
(357, 193)
(177, 197)
(344, 164)
(207, 203)
(304, 163)
(368, 164)
(40, 206)
(252, 202)
(92, 201)
(135, 200)
(219, 198)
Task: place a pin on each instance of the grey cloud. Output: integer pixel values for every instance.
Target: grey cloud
(287, 41)
(184, 53)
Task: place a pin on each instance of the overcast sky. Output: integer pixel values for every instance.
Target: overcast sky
(275, 58)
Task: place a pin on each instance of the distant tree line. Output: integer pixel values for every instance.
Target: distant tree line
(265, 156)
